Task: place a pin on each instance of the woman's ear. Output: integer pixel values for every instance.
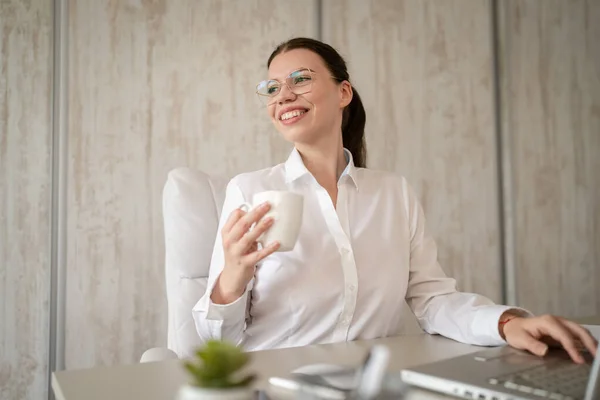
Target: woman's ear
(345, 94)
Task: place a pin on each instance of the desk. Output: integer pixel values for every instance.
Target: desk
(161, 380)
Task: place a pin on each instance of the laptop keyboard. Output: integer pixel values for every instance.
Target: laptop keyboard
(557, 381)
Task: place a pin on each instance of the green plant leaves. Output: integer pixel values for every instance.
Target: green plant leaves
(217, 365)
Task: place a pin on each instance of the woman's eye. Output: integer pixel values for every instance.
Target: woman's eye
(301, 79)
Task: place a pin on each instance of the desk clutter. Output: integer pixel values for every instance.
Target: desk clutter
(369, 381)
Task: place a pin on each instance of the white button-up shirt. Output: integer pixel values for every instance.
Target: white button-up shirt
(351, 272)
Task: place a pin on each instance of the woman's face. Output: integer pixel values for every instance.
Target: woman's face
(306, 117)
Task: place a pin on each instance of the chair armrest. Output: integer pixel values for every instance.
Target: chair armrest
(158, 354)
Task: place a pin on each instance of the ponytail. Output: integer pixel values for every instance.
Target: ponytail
(353, 130)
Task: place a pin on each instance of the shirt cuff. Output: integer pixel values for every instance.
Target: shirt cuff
(488, 318)
(223, 312)
(235, 310)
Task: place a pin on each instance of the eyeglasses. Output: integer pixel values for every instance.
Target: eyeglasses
(299, 82)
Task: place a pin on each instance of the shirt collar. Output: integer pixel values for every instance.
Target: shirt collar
(295, 168)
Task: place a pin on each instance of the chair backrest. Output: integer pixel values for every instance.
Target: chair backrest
(192, 203)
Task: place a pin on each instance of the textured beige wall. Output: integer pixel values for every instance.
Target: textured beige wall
(141, 103)
(25, 143)
(423, 70)
(153, 86)
(551, 88)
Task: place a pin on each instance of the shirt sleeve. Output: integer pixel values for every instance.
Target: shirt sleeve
(432, 296)
(222, 321)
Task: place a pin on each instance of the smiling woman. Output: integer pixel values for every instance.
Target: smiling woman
(315, 73)
(363, 248)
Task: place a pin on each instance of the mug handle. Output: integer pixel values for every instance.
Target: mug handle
(247, 207)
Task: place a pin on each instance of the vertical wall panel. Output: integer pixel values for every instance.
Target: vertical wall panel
(154, 85)
(25, 146)
(423, 70)
(551, 91)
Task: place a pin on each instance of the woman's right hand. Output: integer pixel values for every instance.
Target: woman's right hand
(241, 252)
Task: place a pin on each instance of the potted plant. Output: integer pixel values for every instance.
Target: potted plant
(216, 373)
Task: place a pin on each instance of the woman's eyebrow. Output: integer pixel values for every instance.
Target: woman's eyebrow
(292, 71)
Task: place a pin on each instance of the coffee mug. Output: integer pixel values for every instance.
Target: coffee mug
(286, 211)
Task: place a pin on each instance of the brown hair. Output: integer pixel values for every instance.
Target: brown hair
(354, 117)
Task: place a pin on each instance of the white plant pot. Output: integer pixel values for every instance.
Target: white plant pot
(188, 392)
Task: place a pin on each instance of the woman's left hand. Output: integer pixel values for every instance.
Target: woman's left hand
(536, 334)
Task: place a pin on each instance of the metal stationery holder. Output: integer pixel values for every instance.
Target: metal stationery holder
(372, 382)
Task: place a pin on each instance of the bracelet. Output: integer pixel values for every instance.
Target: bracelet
(502, 323)
(507, 320)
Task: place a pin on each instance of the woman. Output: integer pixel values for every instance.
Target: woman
(363, 249)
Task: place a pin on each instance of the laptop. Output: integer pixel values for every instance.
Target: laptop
(504, 373)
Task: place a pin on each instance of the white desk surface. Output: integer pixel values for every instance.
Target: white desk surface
(161, 380)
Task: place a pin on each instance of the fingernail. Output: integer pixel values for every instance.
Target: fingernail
(269, 221)
(275, 244)
(264, 205)
(543, 350)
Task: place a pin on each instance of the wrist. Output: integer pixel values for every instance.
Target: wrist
(504, 320)
(224, 292)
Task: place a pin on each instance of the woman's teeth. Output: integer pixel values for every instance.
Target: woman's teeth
(291, 114)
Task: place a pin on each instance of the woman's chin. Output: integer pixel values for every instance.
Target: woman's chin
(296, 134)
(302, 131)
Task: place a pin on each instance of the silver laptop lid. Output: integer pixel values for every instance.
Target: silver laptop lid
(593, 388)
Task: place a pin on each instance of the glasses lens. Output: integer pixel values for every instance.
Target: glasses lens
(268, 88)
(300, 81)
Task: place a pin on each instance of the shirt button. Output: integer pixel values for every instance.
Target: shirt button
(352, 288)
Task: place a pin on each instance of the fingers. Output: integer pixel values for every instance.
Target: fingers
(252, 236)
(234, 217)
(257, 256)
(524, 334)
(529, 343)
(583, 335)
(243, 224)
(554, 327)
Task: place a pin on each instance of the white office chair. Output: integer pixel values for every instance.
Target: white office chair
(192, 203)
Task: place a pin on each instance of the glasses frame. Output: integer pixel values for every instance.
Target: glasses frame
(268, 97)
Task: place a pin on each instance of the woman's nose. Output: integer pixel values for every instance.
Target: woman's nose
(285, 95)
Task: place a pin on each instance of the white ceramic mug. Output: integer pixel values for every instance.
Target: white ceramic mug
(286, 211)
